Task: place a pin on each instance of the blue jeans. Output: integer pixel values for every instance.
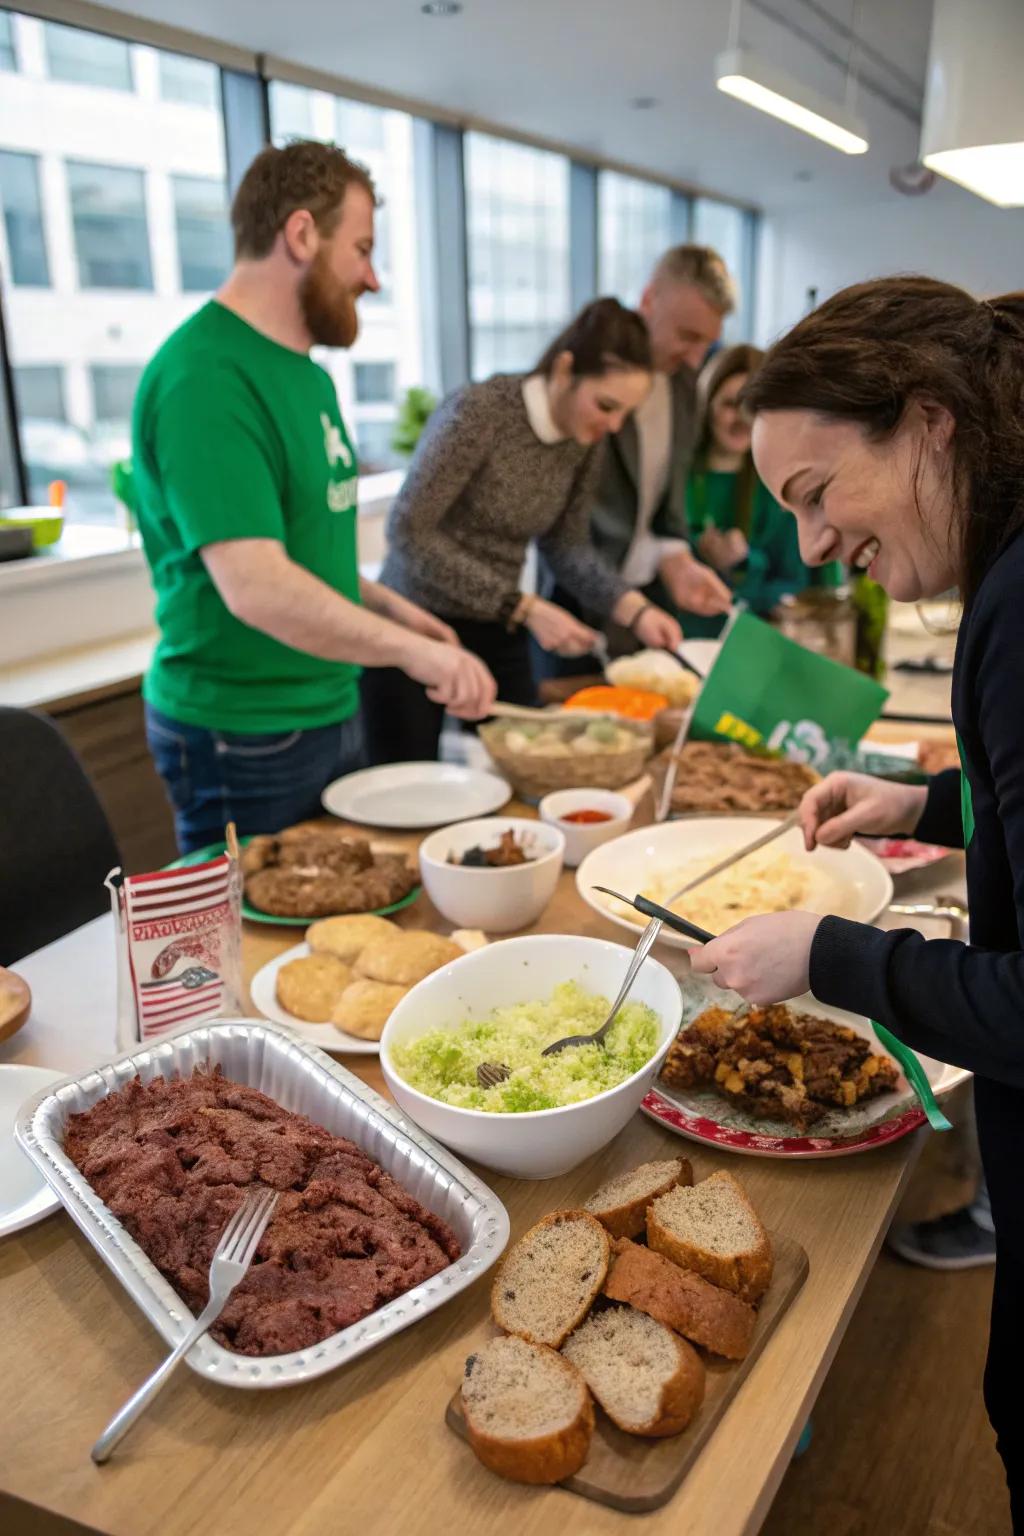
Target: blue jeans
(262, 783)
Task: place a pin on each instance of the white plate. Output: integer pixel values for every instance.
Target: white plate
(25, 1197)
(415, 795)
(263, 990)
(860, 886)
(701, 654)
(704, 1116)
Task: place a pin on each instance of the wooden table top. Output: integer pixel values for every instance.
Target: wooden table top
(365, 1449)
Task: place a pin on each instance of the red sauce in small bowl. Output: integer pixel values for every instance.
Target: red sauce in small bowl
(586, 818)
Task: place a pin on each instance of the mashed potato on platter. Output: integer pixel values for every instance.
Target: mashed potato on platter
(443, 1062)
(765, 882)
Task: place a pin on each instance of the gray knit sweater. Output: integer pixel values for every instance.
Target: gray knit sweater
(481, 486)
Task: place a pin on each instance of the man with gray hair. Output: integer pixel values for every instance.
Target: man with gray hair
(638, 520)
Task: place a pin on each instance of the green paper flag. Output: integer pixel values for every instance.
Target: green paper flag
(773, 695)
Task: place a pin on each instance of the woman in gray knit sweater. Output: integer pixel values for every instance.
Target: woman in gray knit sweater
(501, 464)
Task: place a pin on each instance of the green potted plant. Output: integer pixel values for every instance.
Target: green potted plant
(413, 415)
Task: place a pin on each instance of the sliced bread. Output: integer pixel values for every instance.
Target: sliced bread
(646, 1378)
(680, 1299)
(713, 1228)
(548, 1281)
(528, 1411)
(621, 1204)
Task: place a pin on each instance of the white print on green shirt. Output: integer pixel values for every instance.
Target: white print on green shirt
(335, 445)
(342, 494)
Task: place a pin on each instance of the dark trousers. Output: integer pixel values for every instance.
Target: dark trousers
(403, 726)
(1000, 1115)
(262, 783)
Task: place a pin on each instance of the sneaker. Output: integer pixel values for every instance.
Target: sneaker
(954, 1241)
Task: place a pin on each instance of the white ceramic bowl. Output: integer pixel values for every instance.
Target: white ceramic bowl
(582, 838)
(496, 900)
(542, 1143)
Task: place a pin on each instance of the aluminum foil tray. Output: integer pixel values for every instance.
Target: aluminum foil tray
(303, 1079)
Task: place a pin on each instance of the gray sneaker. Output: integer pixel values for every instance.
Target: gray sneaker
(954, 1241)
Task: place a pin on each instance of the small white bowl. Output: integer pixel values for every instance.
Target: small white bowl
(542, 1143)
(496, 900)
(582, 838)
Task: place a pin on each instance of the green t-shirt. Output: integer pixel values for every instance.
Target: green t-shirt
(237, 437)
(773, 566)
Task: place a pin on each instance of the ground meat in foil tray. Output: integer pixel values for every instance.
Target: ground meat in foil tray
(173, 1161)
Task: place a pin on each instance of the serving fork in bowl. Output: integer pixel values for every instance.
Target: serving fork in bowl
(231, 1260)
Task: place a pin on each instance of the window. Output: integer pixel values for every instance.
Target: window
(727, 230)
(634, 230)
(189, 80)
(23, 219)
(40, 392)
(373, 444)
(108, 207)
(131, 249)
(201, 220)
(387, 357)
(517, 215)
(8, 57)
(87, 57)
(374, 383)
(113, 391)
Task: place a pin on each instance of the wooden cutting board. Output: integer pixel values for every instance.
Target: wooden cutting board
(15, 1002)
(630, 1473)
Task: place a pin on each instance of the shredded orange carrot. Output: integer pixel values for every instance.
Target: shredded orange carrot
(629, 703)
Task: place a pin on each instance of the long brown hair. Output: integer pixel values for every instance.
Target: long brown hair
(873, 349)
(717, 371)
(604, 336)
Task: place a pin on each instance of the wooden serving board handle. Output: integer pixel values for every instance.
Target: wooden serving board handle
(631, 1473)
(15, 1003)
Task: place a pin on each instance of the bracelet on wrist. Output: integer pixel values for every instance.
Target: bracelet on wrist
(631, 626)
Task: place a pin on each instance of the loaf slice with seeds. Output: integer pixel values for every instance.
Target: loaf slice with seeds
(528, 1411)
(621, 1204)
(647, 1379)
(548, 1281)
(713, 1229)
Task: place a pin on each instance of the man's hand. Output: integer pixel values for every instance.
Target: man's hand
(556, 630)
(452, 677)
(694, 587)
(723, 547)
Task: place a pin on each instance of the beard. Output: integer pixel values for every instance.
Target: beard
(328, 307)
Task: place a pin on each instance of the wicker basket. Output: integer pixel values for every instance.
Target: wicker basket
(534, 775)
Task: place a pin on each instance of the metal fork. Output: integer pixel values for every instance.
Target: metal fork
(231, 1259)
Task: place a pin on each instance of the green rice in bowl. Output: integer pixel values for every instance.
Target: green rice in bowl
(442, 1063)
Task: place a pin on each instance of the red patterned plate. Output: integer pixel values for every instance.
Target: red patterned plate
(751, 1144)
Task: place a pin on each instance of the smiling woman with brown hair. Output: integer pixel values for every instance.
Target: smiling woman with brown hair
(891, 423)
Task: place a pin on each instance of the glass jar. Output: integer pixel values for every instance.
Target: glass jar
(822, 619)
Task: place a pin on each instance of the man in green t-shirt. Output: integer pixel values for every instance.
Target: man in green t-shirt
(247, 488)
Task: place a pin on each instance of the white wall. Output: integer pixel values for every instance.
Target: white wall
(947, 233)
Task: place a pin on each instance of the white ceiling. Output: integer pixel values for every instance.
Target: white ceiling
(567, 70)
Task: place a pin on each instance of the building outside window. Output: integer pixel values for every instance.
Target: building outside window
(108, 209)
(8, 53)
(634, 230)
(729, 231)
(87, 58)
(204, 237)
(112, 165)
(23, 220)
(387, 358)
(517, 215)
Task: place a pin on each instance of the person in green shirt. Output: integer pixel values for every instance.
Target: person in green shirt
(735, 524)
(246, 486)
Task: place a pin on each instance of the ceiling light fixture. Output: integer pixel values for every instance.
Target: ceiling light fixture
(441, 8)
(643, 103)
(973, 128)
(751, 79)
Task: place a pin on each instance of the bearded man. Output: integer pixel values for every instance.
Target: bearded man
(247, 486)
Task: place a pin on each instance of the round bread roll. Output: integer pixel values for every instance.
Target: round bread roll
(310, 986)
(365, 1007)
(406, 957)
(347, 937)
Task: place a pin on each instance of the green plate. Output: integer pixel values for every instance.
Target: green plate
(253, 915)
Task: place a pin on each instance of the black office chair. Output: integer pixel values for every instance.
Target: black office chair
(56, 845)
